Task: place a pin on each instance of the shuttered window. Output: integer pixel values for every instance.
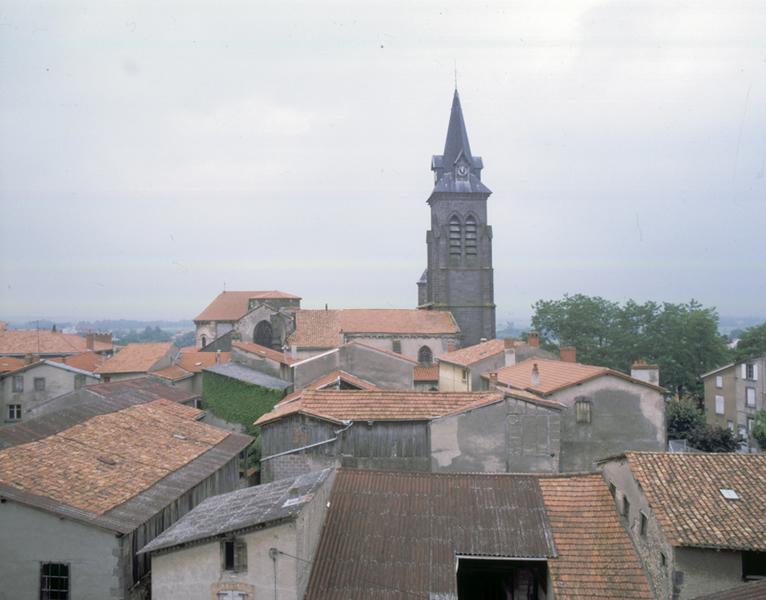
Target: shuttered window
(455, 237)
(582, 410)
(234, 555)
(719, 405)
(470, 236)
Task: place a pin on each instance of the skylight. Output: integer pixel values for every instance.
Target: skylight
(729, 494)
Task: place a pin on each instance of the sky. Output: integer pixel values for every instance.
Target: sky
(153, 153)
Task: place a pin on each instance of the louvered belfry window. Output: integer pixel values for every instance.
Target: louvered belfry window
(455, 237)
(470, 236)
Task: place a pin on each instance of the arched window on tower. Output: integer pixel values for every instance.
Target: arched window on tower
(203, 341)
(425, 356)
(263, 334)
(455, 236)
(470, 236)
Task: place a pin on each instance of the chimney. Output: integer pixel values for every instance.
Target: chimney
(510, 353)
(89, 341)
(568, 354)
(29, 359)
(451, 347)
(533, 339)
(218, 356)
(492, 380)
(645, 372)
(535, 375)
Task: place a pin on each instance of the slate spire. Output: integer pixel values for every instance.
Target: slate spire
(457, 136)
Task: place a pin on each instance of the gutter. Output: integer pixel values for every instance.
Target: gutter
(347, 424)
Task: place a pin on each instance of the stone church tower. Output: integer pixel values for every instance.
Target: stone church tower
(459, 276)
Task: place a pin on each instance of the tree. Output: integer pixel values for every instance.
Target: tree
(682, 339)
(759, 429)
(715, 439)
(752, 342)
(683, 418)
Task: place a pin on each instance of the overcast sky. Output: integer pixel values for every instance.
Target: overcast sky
(151, 152)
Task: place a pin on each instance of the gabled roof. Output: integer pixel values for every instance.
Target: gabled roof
(91, 470)
(47, 363)
(264, 352)
(395, 535)
(324, 328)
(19, 342)
(8, 363)
(232, 306)
(248, 375)
(557, 375)
(380, 405)
(401, 357)
(85, 361)
(470, 355)
(136, 358)
(717, 370)
(334, 378)
(241, 510)
(195, 361)
(172, 373)
(684, 494)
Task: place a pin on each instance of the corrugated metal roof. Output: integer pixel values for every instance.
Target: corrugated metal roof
(242, 509)
(396, 534)
(248, 375)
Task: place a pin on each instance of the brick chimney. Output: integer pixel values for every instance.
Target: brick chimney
(533, 339)
(535, 375)
(568, 354)
(643, 371)
(89, 341)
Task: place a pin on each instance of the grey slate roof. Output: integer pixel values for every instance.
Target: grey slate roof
(241, 510)
(248, 375)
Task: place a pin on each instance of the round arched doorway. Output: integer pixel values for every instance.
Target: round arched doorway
(263, 334)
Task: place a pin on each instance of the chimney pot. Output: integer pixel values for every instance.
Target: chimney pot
(533, 339)
(535, 375)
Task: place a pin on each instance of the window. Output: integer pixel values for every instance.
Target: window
(719, 405)
(663, 559)
(455, 237)
(425, 356)
(464, 374)
(18, 383)
(234, 555)
(397, 346)
(39, 384)
(625, 507)
(730, 425)
(470, 236)
(203, 341)
(643, 525)
(719, 381)
(79, 381)
(749, 371)
(14, 412)
(750, 397)
(750, 424)
(54, 581)
(263, 334)
(582, 410)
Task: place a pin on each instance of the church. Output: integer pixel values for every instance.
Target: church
(455, 293)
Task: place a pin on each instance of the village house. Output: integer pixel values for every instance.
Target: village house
(136, 360)
(24, 389)
(364, 429)
(469, 535)
(43, 343)
(81, 493)
(734, 394)
(246, 544)
(696, 520)
(461, 370)
(604, 412)
(186, 370)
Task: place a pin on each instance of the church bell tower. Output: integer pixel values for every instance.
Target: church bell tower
(459, 277)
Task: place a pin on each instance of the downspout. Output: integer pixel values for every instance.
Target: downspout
(347, 424)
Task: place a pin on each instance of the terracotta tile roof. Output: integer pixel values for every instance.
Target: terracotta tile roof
(754, 590)
(473, 354)
(380, 405)
(19, 342)
(232, 306)
(425, 373)
(86, 361)
(195, 361)
(136, 358)
(280, 357)
(322, 328)
(173, 373)
(684, 493)
(8, 364)
(333, 378)
(596, 558)
(556, 375)
(106, 460)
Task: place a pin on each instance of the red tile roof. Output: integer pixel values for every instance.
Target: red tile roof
(173, 373)
(85, 361)
(380, 405)
(136, 358)
(106, 460)
(8, 364)
(684, 494)
(426, 373)
(323, 328)
(232, 306)
(473, 354)
(19, 342)
(333, 378)
(264, 352)
(556, 375)
(195, 361)
(596, 558)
